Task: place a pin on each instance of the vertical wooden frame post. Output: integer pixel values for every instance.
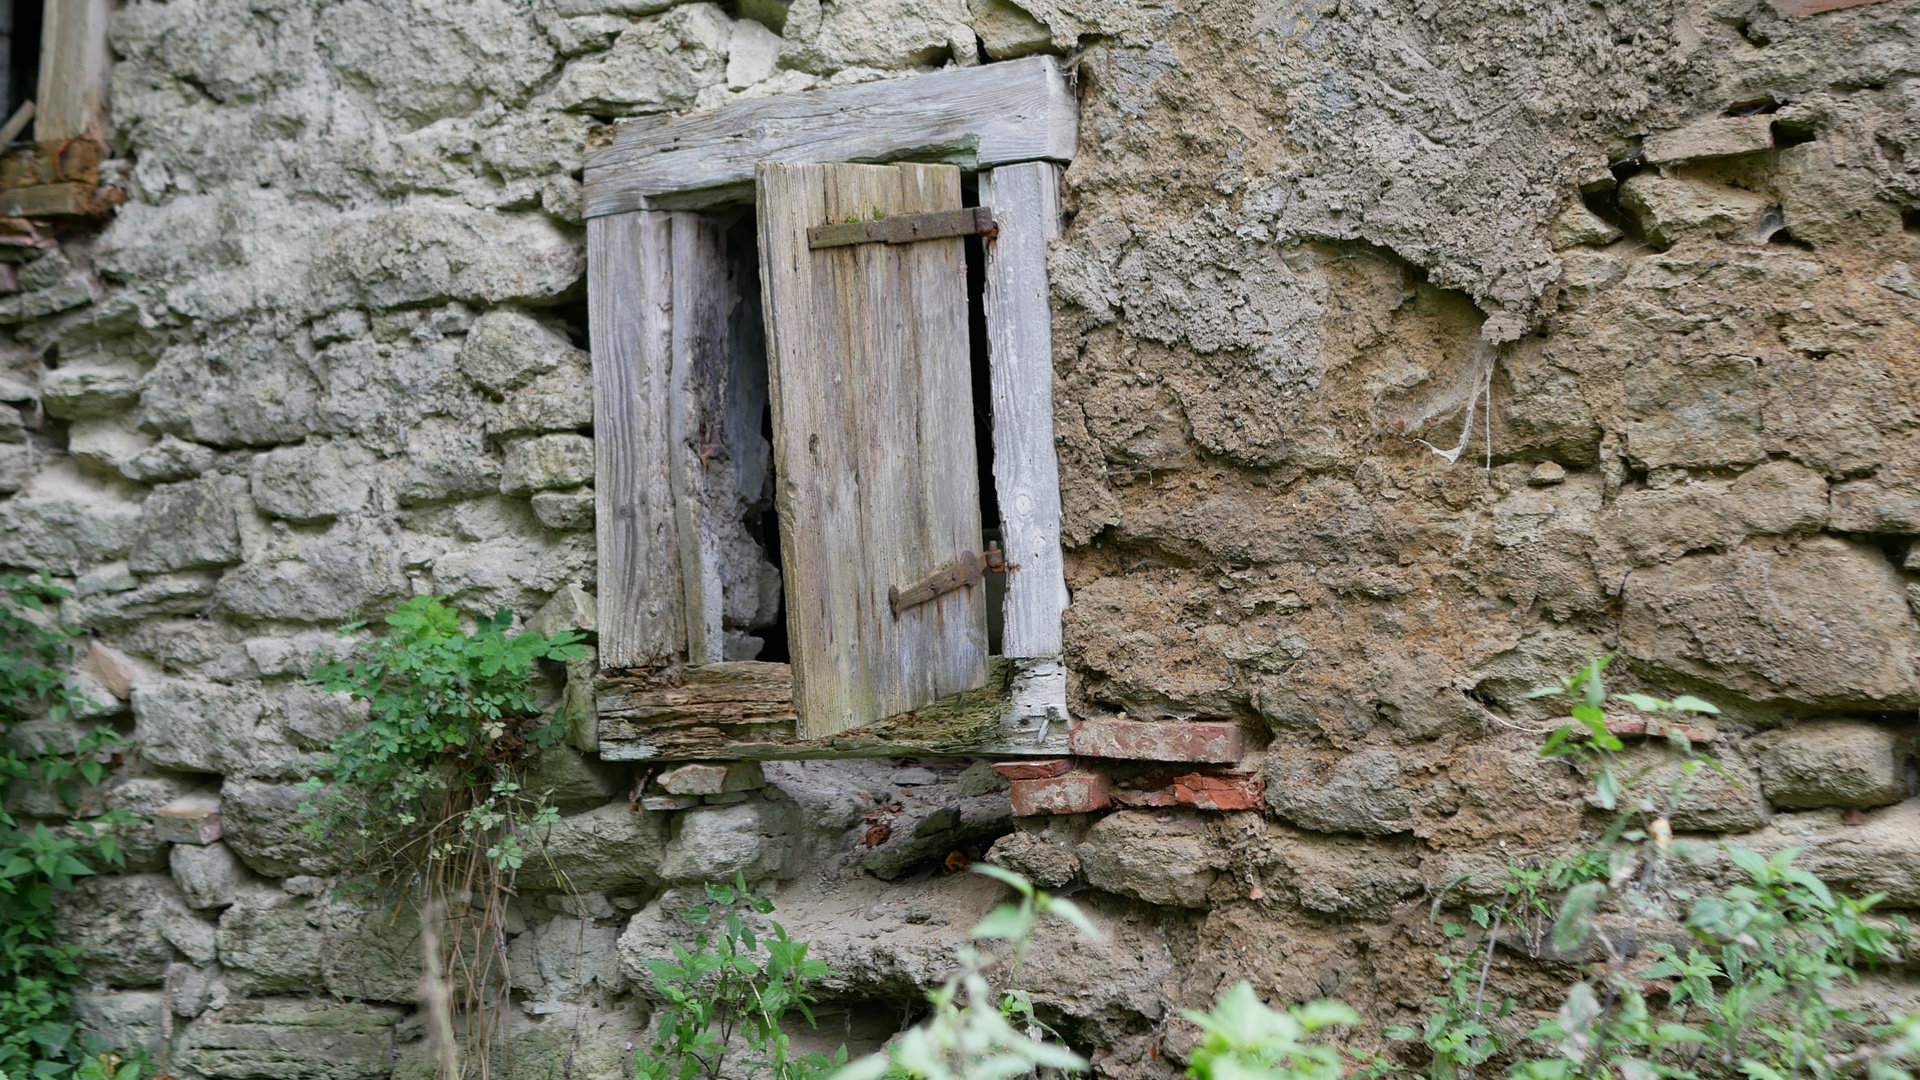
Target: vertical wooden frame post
(696, 388)
(629, 299)
(75, 66)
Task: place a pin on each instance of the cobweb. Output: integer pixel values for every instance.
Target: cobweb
(1469, 392)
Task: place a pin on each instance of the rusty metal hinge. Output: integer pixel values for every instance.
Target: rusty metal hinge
(958, 574)
(906, 228)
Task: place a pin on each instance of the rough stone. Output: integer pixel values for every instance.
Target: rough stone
(752, 54)
(1578, 226)
(1340, 876)
(1877, 855)
(209, 728)
(1008, 30)
(1704, 413)
(564, 510)
(266, 829)
(136, 1018)
(573, 779)
(1671, 210)
(560, 400)
(312, 483)
(1823, 623)
(1331, 791)
(1045, 862)
(1833, 763)
(446, 460)
(1728, 799)
(351, 569)
(187, 526)
(713, 843)
(545, 463)
(209, 876)
(117, 924)
(66, 522)
(1721, 136)
(566, 959)
(271, 942)
(660, 63)
(506, 349)
(607, 849)
(290, 1040)
(704, 779)
(171, 458)
(571, 609)
(824, 37)
(1132, 853)
(81, 391)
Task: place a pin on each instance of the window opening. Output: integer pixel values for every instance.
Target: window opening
(996, 584)
(21, 19)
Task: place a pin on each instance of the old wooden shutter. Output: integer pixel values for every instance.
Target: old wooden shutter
(873, 442)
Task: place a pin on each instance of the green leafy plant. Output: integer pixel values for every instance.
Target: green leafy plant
(719, 989)
(428, 799)
(1247, 1040)
(39, 1039)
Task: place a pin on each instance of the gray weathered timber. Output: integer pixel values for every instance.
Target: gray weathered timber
(873, 443)
(744, 711)
(1026, 471)
(977, 117)
(904, 228)
(696, 391)
(629, 299)
(75, 67)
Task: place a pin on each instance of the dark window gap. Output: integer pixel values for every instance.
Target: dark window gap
(750, 367)
(22, 27)
(996, 589)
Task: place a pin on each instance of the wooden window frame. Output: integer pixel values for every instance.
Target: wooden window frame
(1013, 124)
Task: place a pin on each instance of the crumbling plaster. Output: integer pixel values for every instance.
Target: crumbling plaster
(329, 354)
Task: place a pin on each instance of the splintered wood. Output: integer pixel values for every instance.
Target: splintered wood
(873, 442)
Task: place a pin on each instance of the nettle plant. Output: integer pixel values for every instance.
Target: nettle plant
(1677, 981)
(39, 859)
(428, 798)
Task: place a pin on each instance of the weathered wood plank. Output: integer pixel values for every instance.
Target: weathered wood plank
(629, 299)
(696, 390)
(743, 711)
(1026, 202)
(904, 228)
(873, 442)
(49, 200)
(75, 161)
(75, 67)
(1023, 110)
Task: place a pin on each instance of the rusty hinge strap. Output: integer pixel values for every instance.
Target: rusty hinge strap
(905, 228)
(958, 574)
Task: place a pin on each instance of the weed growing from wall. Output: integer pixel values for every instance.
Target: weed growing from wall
(38, 1036)
(428, 798)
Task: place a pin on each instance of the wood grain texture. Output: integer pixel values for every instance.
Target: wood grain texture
(49, 200)
(696, 390)
(75, 66)
(873, 442)
(995, 114)
(744, 711)
(629, 296)
(1026, 470)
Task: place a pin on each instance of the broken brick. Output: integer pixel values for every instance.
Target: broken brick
(1722, 136)
(1135, 797)
(1220, 791)
(669, 802)
(1076, 792)
(1175, 740)
(1655, 728)
(1033, 770)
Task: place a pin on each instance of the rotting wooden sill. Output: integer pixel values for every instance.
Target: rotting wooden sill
(743, 710)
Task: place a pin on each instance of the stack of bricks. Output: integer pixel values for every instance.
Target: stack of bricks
(1086, 782)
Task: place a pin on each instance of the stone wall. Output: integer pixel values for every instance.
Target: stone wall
(329, 354)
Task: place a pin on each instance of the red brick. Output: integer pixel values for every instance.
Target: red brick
(1220, 791)
(1076, 792)
(1815, 7)
(1033, 770)
(1653, 727)
(1171, 740)
(1137, 798)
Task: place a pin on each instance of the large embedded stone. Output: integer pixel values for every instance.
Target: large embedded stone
(713, 843)
(1649, 526)
(241, 391)
(373, 948)
(312, 483)
(1718, 137)
(209, 728)
(287, 1039)
(66, 522)
(352, 569)
(1335, 791)
(561, 400)
(660, 63)
(506, 349)
(81, 391)
(1833, 763)
(187, 526)
(826, 37)
(1135, 854)
(1006, 29)
(208, 875)
(1826, 200)
(607, 849)
(1876, 856)
(1704, 413)
(446, 459)
(117, 921)
(1727, 799)
(547, 462)
(271, 942)
(568, 778)
(1824, 623)
(564, 959)
(1340, 876)
(267, 829)
(1671, 209)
